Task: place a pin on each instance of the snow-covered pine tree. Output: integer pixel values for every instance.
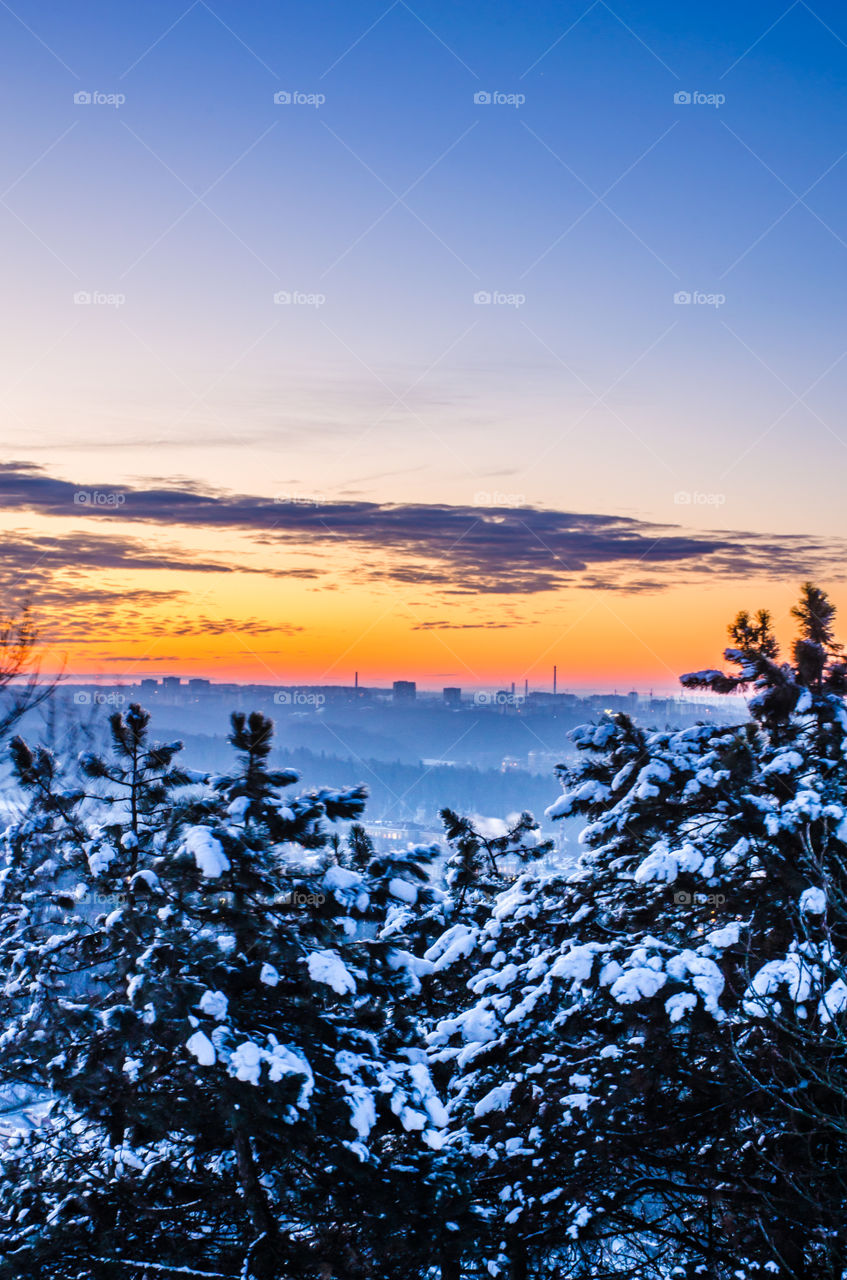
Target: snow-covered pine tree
(606, 1075)
(219, 1041)
(484, 860)
(557, 1066)
(789, 1030)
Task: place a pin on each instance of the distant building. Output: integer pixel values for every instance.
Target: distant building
(405, 691)
(197, 685)
(148, 683)
(171, 682)
(452, 697)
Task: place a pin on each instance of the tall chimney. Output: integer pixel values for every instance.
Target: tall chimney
(555, 672)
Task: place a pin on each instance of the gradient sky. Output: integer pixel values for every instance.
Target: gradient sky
(403, 480)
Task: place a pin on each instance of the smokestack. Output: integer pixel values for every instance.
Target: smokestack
(356, 681)
(555, 673)
(513, 688)
(526, 688)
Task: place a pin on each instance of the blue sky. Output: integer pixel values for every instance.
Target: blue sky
(583, 211)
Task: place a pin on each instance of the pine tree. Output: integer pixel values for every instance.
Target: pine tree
(619, 1079)
(219, 1043)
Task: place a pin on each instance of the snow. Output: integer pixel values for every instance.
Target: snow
(207, 852)
(704, 975)
(283, 1062)
(497, 1099)
(784, 762)
(415, 967)
(794, 972)
(214, 1003)
(645, 784)
(100, 859)
(677, 1006)
(813, 902)
(726, 937)
(362, 1109)
(238, 809)
(246, 1062)
(637, 984)
(269, 975)
(328, 967)
(833, 1001)
(202, 1048)
(133, 985)
(576, 964)
(665, 865)
(349, 888)
(589, 792)
(455, 944)
(402, 890)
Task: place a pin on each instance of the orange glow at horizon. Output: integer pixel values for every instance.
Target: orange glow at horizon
(245, 628)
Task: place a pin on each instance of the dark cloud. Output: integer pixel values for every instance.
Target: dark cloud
(460, 550)
(460, 626)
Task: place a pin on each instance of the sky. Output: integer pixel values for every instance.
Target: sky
(440, 341)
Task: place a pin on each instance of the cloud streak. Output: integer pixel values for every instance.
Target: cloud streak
(458, 550)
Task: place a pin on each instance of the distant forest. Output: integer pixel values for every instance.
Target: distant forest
(398, 791)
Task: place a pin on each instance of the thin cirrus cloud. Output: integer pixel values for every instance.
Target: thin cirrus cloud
(456, 550)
